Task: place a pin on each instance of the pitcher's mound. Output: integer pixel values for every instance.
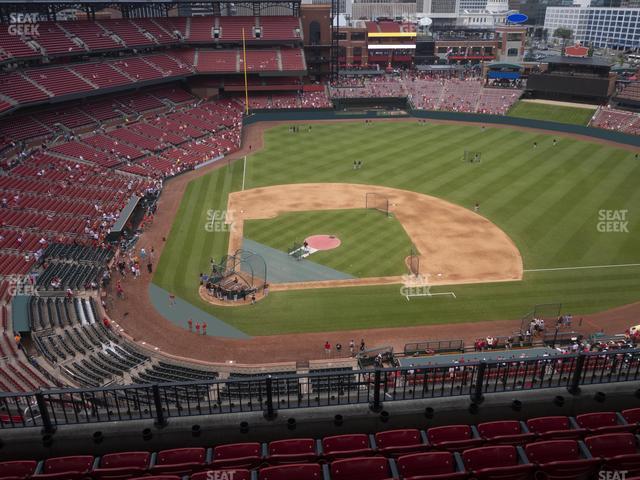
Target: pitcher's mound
(323, 242)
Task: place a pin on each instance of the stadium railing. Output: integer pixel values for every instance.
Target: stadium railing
(434, 346)
(160, 402)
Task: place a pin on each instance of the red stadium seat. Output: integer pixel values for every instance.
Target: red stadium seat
(496, 462)
(618, 450)
(602, 422)
(297, 450)
(554, 428)
(560, 459)
(230, 474)
(122, 465)
(305, 471)
(400, 442)
(342, 446)
(179, 461)
(17, 470)
(429, 466)
(453, 437)
(238, 455)
(632, 415)
(66, 468)
(361, 468)
(506, 432)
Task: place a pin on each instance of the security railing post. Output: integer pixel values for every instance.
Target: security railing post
(476, 395)
(161, 421)
(47, 426)
(376, 405)
(269, 413)
(574, 387)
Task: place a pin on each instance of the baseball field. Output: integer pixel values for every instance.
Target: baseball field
(569, 208)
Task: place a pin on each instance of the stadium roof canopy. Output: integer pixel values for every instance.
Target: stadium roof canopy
(594, 61)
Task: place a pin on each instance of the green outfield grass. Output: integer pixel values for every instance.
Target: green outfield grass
(372, 244)
(547, 199)
(552, 113)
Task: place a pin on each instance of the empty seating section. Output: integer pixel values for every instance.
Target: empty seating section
(137, 69)
(15, 86)
(280, 28)
(128, 32)
(14, 46)
(231, 28)
(171, 66)
(159, 32)
(91, 34)
(59, 81)
(101, 142)
(84, 152)
(55, 41)
(140, 102)
(102, 75)
(292, 59)
(131, 138)
(218, 61)
(21, 128)
(201, 29)
(261, 61)
(70, 117)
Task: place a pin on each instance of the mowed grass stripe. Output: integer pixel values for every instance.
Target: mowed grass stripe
(545, 199)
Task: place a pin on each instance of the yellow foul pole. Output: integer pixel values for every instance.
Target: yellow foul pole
(244, 64)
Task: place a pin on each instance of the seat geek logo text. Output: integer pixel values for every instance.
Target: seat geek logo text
(23, 24)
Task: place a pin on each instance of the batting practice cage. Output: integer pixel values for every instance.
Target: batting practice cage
(237, 275)
(377, 202)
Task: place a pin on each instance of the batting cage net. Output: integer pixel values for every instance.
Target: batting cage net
(244, 264)
(377, 202)
(472, 156)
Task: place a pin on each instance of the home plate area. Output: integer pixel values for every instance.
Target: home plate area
(313, 244)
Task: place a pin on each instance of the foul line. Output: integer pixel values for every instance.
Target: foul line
(408, 297)
(588, 267)
(244, 170)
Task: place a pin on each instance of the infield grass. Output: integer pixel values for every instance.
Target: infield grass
(372, 244)
(552, 113)
(548, 200)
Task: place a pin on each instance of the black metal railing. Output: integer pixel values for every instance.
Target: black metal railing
(270, 393)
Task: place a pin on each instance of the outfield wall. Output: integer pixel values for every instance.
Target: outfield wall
(330, 114)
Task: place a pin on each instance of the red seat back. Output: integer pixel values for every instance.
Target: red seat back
(494, 429)
(631, 415)
(18, 468)
(295, 446)
(449, 433)
(436, 463)
(178, 456)
(611, 444)
(306, 471)
(236, 450)
(78, 463)
(342, 443)
(552, 451)
(398, 438)
(597, 419)
(490, 457)
(125, 460)
(548, 424)
(365, 468)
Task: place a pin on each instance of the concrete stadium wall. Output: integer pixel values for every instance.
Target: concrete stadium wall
(330, 114)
